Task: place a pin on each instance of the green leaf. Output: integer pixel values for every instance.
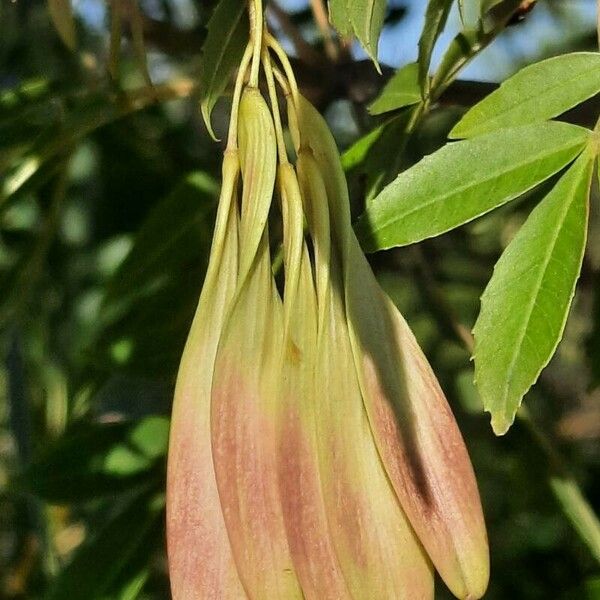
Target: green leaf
(578, 510)
(136, 24)
(152, 297)
(592, 588)
(363, 17)
(356, 154)
(525, 305)
(181, 219)
(222, 52)
(367, 21)
(383, 155)
(61, 14)
(54, 143)
(487, 5)
(466, 179)
(436, 16)
(114, 561)
(469, 11)
(536, 93)
(339, 17)
(401, 90)
(94, 459)
(460, 51)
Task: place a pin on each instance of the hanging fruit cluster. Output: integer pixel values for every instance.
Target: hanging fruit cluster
(313, 454)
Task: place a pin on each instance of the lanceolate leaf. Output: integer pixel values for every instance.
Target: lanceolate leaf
(222, 51)
(367, 20)
(61, 14)
(577, 508)
(525, 306)
(465, 180)
(338, 15)
(536, 93)
(435, 21)
(460, 51)
(401, 90)
(137, 37)
(379, 155)
(363, 17)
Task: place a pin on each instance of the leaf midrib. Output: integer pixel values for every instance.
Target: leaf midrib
(533, 301)
(459, 190)
(222, 53)
(521, 102)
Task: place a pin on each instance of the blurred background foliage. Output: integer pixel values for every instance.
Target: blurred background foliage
(107, 196)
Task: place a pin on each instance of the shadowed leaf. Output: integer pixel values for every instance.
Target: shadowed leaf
(221, 53)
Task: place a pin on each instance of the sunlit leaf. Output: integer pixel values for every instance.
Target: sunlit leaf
(221, 53)
(436, 16)
(365, 17)
(338, 15)
(536, 93)
(466, 179)
(367, 20)
(525, 306)
(401, 90)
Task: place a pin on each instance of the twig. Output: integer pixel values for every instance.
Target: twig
(322, 21)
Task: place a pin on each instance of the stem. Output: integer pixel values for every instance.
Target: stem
(237, 95)
(137, 36)
(287, 67)
(281, 80)
(256, 28)
(266, 60)
(115, 38)
(322, 21)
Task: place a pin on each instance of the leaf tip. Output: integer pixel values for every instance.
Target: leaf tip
(457, 132)
(206, 111)
(500, 423)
